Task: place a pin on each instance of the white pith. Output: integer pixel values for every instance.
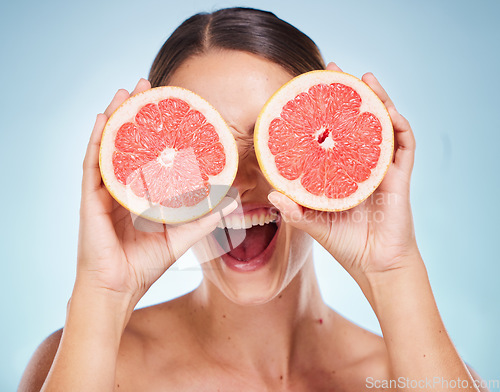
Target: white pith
(293, 188)
(166, 158)
(246, 221)
(328, 142)
(220, 183)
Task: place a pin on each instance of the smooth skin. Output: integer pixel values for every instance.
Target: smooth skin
(206, 340)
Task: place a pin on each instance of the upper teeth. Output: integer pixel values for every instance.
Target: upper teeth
(246, 221)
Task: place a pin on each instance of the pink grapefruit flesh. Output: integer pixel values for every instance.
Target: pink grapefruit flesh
(167, 155)
(325, 140)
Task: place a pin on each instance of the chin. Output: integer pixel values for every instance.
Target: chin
(248, 289)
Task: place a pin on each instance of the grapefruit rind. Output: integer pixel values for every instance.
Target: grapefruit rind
(293, 188)
(220, 184)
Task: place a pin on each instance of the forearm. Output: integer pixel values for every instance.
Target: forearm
(87, 354)
(417, 342)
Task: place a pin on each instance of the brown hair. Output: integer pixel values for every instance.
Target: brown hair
(245, 29)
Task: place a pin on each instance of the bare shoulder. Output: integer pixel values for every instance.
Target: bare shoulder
(149, 328)
(155, 344)
(364, 356)
(39, 365)
(162, 323)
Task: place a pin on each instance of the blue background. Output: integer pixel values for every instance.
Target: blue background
(61, 63)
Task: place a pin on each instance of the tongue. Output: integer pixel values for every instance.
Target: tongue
(256, 241)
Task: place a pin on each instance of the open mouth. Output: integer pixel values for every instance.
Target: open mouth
(248, 240)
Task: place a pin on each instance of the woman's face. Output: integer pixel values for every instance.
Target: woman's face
(264, 258)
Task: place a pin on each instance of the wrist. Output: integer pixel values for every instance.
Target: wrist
(412, 328)
(101, 305)
(408, 278)
(114, 284)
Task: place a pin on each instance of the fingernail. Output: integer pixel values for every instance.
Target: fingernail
(230, 208)
(274, 198)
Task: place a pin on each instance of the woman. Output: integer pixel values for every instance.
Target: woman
(258, 324)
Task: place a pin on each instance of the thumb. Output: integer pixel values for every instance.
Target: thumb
(310, 221)
(181, 237)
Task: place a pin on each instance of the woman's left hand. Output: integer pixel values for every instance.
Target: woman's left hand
(377, 235)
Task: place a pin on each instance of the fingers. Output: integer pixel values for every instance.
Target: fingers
(374, 84)
(310, 221)
(141, 86)
(404, 153)
(211, 220)
(91, 174)
(404, 140)
(288, 208)
(181, 238)
(333, 67)
(120, 97)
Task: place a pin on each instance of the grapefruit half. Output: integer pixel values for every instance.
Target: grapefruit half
(325, 140)
(167, 155)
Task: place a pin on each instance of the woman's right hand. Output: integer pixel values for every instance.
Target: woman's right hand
(112, 253)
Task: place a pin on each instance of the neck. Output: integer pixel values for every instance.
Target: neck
(262, 338)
